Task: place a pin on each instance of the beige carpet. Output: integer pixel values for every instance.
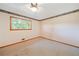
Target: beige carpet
(39, 47)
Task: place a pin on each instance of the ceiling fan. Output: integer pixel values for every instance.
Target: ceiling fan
(34, 7)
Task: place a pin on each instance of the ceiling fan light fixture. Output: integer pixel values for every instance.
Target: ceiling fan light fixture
(34, 7)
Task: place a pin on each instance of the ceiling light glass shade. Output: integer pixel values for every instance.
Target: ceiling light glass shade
(34, 9)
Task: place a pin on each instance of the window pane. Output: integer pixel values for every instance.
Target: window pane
(17, 23)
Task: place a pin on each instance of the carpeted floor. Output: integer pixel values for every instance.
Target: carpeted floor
(39, 47)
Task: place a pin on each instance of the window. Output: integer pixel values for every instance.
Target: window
(20, 24)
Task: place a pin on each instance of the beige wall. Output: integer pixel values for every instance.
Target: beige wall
(64, 28)
(9, 37)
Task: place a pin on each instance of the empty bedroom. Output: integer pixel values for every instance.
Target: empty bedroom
(39, 29)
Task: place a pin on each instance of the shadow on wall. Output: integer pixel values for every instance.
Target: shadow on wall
(67, 31)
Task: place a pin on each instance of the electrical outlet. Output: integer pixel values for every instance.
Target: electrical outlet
(23, 39)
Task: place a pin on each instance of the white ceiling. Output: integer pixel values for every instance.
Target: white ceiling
(45, 9)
